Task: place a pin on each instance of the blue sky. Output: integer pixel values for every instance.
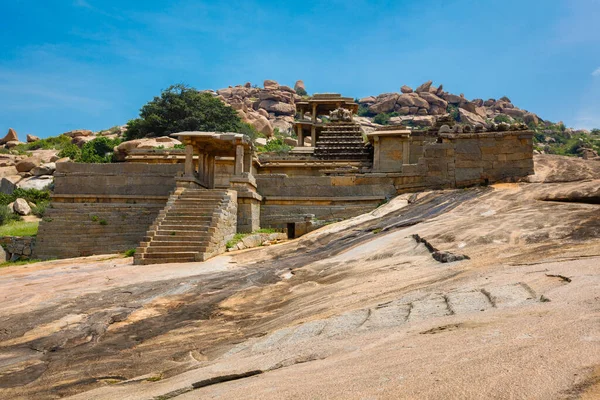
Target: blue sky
(72, 64)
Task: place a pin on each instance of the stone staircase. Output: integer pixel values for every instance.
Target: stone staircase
(194, 226)
(342, 141)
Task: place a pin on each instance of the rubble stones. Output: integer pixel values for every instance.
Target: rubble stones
(406, 89)
(31, 138)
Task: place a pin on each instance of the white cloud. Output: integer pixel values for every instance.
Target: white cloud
(596, 72)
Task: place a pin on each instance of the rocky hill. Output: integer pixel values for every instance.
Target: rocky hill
(272, 107)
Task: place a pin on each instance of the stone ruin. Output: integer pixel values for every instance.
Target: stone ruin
(178, 206)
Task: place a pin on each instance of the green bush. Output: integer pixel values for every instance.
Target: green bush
(502, 118)
(130, 253)
(182, 108)
(51, 143)
(363, 111)
(453, 111)
(276, 145)
(32, 195)
(99, 150)
(7, 215)
(40, 209)
(382, 119)
(71, 151)
(301, 92)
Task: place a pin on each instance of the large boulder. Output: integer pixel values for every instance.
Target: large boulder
(8, 184)
(434, 100)
(11, 136)
(270, 84)
(262, 125)
(21, 207)
(283, 124)
(12, 143)
(36, 182)
(367, 100)
(406, 100)
(31, 138)
(453, 99)
(273, 95)
(424, 87)
(287, 89)
(27, 165)
(299, 86)
(44, 169)
(469, 117)
(481, 111)
(419, 101)
(531, 118)
(78, 132)
(384, 105)
(278, 108)
(406, 89)
(514, 112)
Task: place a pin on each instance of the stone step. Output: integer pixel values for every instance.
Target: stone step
(197, 244)
(182, 218)
(150, 261)
(159, 237)
(180, 233)
(192, 212)
(174, 249)
(175, 254)
(168, 227)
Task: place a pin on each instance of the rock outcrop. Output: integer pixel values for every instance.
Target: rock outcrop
(11, 136)
(427, 100)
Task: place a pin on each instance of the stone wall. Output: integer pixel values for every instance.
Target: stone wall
(17, 247)
(115, 179)
(226, 226)
(462, 160)
(102, 208)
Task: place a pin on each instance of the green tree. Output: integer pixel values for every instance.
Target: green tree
(182, 108)
(99, 150)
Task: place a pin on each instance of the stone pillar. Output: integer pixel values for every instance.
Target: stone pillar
(210, 183)
(376, 149)
(313, 136)
(189, 161)
(406, 151)
(239, 160)
(248, 160)
(314, 113)
(300, 136)
(201, 168)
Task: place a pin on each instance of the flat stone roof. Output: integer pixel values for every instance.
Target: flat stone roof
(219, 143)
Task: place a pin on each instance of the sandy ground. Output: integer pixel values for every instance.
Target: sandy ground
(355, 310)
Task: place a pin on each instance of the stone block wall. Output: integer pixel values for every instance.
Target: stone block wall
(102, 208)
(17, 247)
(489, 157)
(225, 228)
(86, 228)
(115, 179)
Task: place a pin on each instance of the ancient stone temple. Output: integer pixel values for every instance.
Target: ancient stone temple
(328, 120)
(177, 206)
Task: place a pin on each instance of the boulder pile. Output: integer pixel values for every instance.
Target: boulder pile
(429, 101)
(268, 108)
